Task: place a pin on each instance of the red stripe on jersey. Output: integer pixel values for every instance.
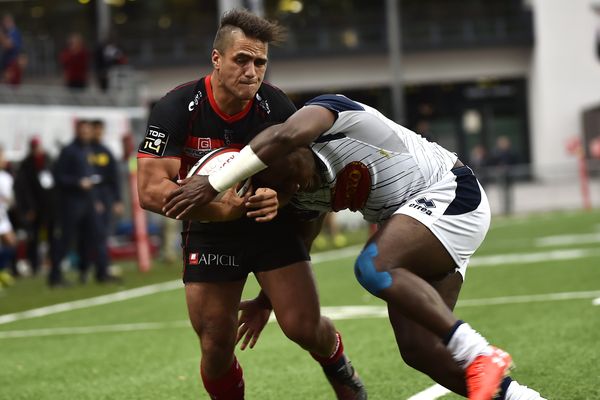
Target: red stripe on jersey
(227, 118)
(144, 155)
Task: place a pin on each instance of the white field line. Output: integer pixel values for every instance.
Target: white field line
(354, 312)
(481, 261)
(519, 258)
(335, 313)
(80, 330)
(431, 393)
(564, 240)
(531, 298)
(333, 255)
(92, 301)
(530, 258)
(143, 291)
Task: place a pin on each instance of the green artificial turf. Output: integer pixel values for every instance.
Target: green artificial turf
(554, 342)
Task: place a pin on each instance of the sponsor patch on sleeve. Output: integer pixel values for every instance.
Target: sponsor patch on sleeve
(155, 141)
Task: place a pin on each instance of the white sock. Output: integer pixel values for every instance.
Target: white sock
(516, 391)
(466, 344)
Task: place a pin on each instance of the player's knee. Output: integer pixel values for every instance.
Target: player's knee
(301, 329)
(217, 335)
(366, 273)
(216, 350)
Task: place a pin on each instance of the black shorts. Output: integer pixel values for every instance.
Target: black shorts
(221, 257)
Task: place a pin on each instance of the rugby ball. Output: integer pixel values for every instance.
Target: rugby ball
(216, 159)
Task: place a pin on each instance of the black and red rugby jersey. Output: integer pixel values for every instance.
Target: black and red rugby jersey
(187, 123)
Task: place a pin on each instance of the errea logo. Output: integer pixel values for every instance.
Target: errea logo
(423, 204)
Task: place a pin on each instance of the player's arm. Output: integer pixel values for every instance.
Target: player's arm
(155, 183)
(277, 141)
(159, 163)
(254, 315)
(301, 129)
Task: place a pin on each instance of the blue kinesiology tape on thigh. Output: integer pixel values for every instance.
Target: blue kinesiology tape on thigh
(366, 273)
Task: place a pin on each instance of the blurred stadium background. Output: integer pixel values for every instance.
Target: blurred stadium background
(469, 74)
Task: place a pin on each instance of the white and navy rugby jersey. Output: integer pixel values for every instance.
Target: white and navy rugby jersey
(369, 163)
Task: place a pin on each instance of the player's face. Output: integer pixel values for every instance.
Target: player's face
(296, 172)
(242, 67)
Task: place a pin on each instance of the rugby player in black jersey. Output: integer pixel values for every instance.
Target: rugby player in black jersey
(225, 109)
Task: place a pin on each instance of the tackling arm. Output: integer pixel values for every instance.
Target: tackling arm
(301, 129)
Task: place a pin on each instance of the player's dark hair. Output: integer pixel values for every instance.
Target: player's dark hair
(252, 25)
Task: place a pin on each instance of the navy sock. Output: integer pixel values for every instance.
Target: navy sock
(503, 388)
(452, 330)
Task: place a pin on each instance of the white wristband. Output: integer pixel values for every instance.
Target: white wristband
(241, 167)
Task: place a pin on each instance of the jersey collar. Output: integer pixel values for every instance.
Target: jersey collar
(225, 117)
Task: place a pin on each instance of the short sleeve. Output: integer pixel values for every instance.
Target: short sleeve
(335, 103)
(167, 128)
(348, 114)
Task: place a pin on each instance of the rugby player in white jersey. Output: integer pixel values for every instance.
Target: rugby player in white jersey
(336, 153)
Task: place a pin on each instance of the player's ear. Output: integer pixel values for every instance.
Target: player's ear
(215, 58)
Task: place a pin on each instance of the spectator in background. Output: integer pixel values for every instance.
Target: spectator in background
(75, 60)
(75, 180)
(330, 234)
(13, 75)
(34, 192)
(503, 159)
(107, 56)
(10, 39)
(8, 241)
(478, 161)
(503, 155)
(107, 194)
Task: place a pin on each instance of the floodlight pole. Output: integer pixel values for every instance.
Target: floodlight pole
(394, 39)
(226, 5)
(103, 18)
(257, 7)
